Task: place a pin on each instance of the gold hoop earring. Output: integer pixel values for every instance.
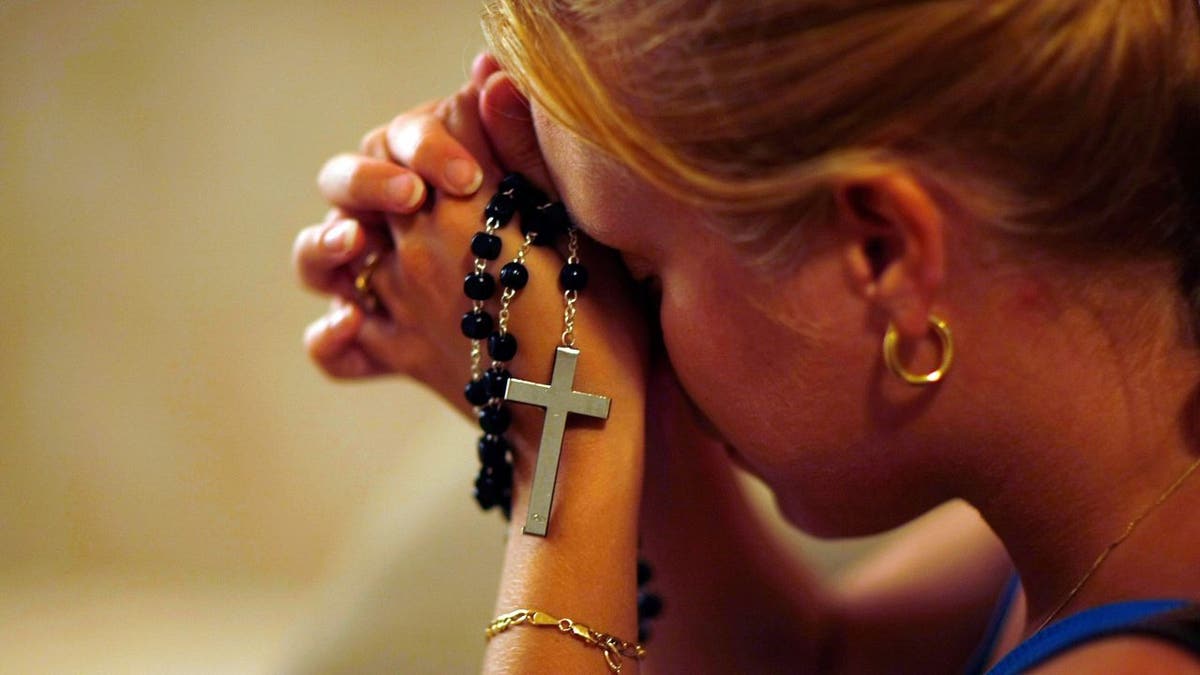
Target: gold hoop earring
(892, 338)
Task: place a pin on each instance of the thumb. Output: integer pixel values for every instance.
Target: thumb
(508, 121)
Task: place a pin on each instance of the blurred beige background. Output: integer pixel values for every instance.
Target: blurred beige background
(176, 481)
(180, 490)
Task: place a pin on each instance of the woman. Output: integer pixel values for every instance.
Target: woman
(1002, 194)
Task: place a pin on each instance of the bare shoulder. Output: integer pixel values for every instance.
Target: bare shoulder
(1122, 655)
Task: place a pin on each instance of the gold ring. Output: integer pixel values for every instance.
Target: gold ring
(891, 339)
(362, 283)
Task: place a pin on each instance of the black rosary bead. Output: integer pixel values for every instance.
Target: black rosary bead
(476, 392)
(497, 382)
(487, 491)
(493, 450)
(542, 222)
(495, 420)
(485, 500)
(479, 286)
(644, 572)
(486, 246)
(529, 198)
(501, 473)
(513, 183)
(502, 347)
(500, 208)
(493, 485)
(549, 220)
(477, 325)
(649, 606)
(514, 275)
(573, 277)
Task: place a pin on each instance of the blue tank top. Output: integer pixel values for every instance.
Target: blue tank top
(1099, 622)
(1177, 621)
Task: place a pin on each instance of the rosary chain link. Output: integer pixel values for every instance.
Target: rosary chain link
(490, 226)
(476, 357)
(572, 246)
(509, 293)
(503, 315)
(568, 334)
(572, 296)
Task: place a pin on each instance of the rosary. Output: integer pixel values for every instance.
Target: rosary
(542, 223)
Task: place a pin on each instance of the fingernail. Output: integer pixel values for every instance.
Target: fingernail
(477, 62)
(464, 175)
(406, 191)
(340, 237)
(338, 316)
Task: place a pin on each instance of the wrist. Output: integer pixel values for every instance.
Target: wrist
(596, 446)
(600, 470)
(587, 560)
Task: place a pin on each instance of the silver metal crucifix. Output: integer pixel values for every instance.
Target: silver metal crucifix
(559, 400)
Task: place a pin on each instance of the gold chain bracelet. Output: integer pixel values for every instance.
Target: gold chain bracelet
(613, 648)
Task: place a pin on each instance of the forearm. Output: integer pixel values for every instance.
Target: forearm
(585, 568)
(736, 599)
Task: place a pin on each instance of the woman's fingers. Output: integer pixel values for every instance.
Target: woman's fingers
(482, 68)
(374, 144)
(361, 183)
(320, 252)
(386, 283)
(508, 122)
(328, 256)
(348, 344)
(442, 141)
(421, 142)
(459, 115)
(332, 343)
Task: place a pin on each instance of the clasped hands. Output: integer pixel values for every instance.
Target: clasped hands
(414, 195)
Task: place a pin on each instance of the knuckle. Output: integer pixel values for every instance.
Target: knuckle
(465, 99)
(303, 246)
(336, 174)
(413, 142)
(402, 135)
(357, 184)
(403, 132)
(417, 260)
(374, 142)
(433, 149)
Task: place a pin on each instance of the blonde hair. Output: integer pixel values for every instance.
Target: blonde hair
(1079, 120)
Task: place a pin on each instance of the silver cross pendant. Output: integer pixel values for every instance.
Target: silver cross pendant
(559, 400)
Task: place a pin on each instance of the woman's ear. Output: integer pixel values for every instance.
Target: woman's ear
(894, 246)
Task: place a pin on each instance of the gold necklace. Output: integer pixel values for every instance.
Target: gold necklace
(1166, 494)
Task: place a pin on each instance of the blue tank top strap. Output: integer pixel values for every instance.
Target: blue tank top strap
(1098, 622)
(1181, 628)
(979, 661)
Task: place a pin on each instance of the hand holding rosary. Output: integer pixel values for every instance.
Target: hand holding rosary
(542, 223)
